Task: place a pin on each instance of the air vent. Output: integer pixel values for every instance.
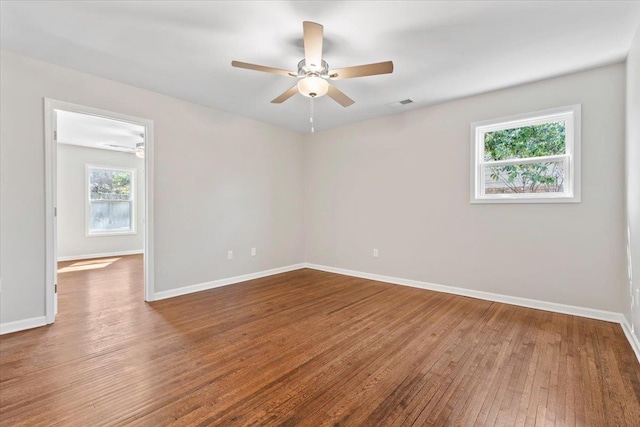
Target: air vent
(402, 103)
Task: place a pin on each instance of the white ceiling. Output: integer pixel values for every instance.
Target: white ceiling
(97, 132)
(441, 50)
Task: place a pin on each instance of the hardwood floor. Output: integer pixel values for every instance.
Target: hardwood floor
(308, 348)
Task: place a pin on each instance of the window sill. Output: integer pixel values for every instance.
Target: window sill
(111, 233)
(526, 200)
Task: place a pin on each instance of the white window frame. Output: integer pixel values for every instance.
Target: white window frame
(571, 115)
(90, 233)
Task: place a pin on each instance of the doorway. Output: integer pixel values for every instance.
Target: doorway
(99, 187)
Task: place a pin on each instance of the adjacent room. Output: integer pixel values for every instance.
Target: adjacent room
(354, 213)
(100, 210)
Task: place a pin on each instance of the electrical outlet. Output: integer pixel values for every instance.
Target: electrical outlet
(375, 253)
(230, 255)
(253, 251)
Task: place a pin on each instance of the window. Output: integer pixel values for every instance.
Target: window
(531, 158)
(111, 200)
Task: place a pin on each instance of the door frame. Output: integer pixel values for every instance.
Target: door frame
(51, 251)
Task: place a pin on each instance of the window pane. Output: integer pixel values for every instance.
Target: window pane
(526, 178)
(108, 184)
(110, 216)
(546, 139)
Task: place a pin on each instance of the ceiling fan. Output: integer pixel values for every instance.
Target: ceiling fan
(314, 73)
(138, 150)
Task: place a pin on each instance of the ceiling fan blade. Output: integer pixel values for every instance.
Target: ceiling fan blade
(122, 148)
(255, 67)
(338, 96)
(286, 95)
(313, 44)
(362, 70)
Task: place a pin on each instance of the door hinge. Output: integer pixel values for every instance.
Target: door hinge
(55, 135)
(55, 288)
(55, 211)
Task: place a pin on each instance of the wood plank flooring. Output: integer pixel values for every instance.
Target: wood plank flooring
(308, 348)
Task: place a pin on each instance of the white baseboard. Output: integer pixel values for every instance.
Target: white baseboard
(103, 255)
(633, 340)
(591, 313)
(21, 325)
(224, 282)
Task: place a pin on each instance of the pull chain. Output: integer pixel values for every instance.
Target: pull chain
(311, 115)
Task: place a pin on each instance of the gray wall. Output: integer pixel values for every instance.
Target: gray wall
(401, 184)
(223, 182)
(632, 311)
(72, 199)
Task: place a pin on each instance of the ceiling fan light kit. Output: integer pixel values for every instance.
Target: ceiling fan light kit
(140, 150)
(313, 86)
(314, 72)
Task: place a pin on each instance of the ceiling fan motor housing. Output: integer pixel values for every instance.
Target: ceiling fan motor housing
(322, 70)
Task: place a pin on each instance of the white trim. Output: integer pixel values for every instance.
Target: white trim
(633, 340)
(591, 313)
(50, 106)
(50, 206)
(102, 255)
(87, 205)
(21, 325)
(224, 282)
(527, 119)
(571, 114)
(149, 185)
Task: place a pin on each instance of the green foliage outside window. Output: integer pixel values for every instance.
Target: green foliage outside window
(525, 142)
(110, 184)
